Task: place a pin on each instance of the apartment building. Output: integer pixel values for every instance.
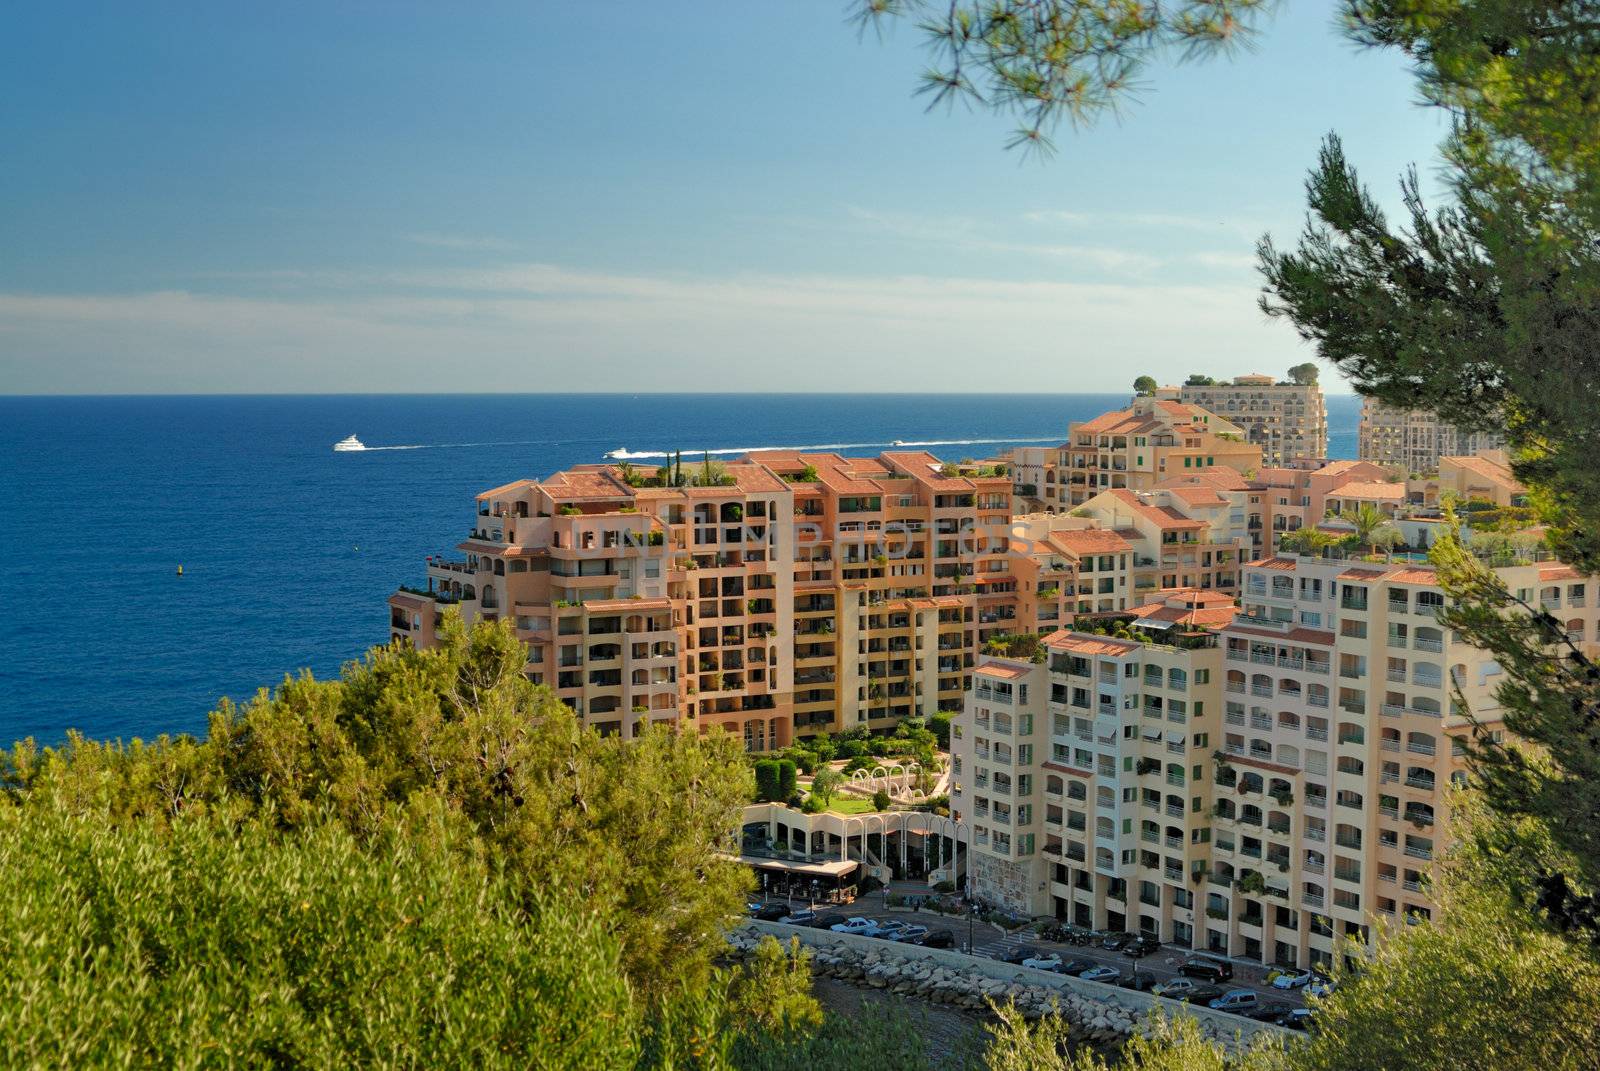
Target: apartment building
(901, 572)
(787, 594)
(1084, 781)
(1415, 440)
(799, 594)
(1185, 536)
(1338, 688)
(1284, 498)
(1485, 475)
(1288, 421)
(1298, 790)
(638, 603)
(1137, 447)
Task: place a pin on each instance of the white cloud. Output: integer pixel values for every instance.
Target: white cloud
(1156, 220)
(541, 327)
(971, 235)
(461, 241)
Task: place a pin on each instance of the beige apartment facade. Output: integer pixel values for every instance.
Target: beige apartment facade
(1300, 793)
(1133, 448)
(785, 594)
(1414, 440)
(1288, 421)
(1082, 780)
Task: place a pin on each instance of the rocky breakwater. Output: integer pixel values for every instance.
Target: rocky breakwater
(972, 984)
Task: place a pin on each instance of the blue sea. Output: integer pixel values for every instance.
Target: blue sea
(289, 549)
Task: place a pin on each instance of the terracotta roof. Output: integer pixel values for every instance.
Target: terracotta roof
(1362, 574)
(1294, 635)
(1559, 572)
(586, 481)
(1003, 670)
(1087, 541)
(1376, 491)
(1196, 496)
(506, 488)
(1163, 516)
(1283, 565)
(1487, 468)
(1414, 576)
(1206, 617)
(1081, 643)
(1219, 476)
(405, 598)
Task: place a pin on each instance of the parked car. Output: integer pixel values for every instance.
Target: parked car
(938, 939)
(1020, 953)
(772, 912)
(888, 928)
(1115, 941)
(1202, 995)
(1141, 981)
(1044, 962)
(1293, 979)
(1078, 935)
(1142, 945)
(1101, 973)
(1271, 1011)
(909, 934)
(1066, 933)
(827, 922)
(1296, 1019)
(1175, 987)
(857, 925)
(803, 917)
(1319, 987)
(1208, 967)
(1078, 966)
(752, 906)
(1238, 1001)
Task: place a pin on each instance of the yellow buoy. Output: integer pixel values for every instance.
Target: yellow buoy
(180, 570)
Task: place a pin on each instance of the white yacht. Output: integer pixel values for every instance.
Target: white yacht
(351, 443)
(618, 454)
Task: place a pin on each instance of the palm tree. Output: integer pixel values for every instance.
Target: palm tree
(1309, 541)
(1371, 526)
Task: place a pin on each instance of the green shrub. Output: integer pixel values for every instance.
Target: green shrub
(880, 800)
(767, 780)
(136, 946)
(786, 779)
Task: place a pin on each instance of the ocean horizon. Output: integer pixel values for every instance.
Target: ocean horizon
(289, 549)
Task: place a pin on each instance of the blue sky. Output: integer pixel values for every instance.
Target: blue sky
(694, 196)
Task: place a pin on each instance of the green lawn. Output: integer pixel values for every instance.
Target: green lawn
(843, 802)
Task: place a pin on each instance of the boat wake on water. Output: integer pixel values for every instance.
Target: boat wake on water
(458, 446)
(622, 454)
